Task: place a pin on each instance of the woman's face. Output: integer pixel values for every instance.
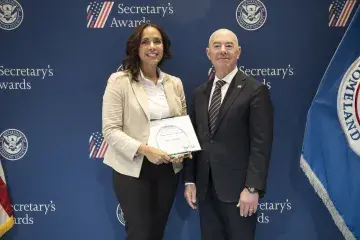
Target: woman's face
(151, 46)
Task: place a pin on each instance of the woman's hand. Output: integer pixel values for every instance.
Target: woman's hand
(180, 158)
(154, 155)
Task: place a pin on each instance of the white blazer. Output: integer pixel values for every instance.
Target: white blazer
(126, 119)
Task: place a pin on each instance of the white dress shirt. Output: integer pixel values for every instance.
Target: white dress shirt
(158, 105)
(228, 78)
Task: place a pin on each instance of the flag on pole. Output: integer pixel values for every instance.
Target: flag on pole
(331, 147)
(6, 213)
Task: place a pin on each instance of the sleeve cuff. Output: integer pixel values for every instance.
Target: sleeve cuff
(188, 183)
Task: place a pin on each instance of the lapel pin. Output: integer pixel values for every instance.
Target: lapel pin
(239, 86)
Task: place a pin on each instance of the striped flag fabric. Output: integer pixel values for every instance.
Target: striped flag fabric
(340, 11)
(6, 213)
(97, 145)
(98, 13)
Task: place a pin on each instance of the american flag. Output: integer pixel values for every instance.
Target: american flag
(97, 145)
(6, 213)
(98, 13)
(340, 11)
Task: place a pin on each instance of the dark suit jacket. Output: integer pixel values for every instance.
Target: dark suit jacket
(238, 152)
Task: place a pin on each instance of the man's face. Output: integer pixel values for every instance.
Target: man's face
(223, 51)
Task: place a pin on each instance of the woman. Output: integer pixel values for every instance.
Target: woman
(144, 178)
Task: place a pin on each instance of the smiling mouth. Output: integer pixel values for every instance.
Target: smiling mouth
(152, 54)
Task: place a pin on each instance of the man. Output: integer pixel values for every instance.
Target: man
(233, 119)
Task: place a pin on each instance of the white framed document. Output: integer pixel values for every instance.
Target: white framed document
(174, 135)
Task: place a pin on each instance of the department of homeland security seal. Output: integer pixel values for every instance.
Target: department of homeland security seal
(348, 105)
(13, 144)
(251, 14)
(11, 14)
(120, 215)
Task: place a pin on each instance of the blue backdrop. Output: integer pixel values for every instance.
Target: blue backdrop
(54, 65)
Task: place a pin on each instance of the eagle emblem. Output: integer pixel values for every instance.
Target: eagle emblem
(251, 14)
(13, 144)
(8, 13)
(11, 14)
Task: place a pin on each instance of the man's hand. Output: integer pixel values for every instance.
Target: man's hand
(248, 203)
(190, 195)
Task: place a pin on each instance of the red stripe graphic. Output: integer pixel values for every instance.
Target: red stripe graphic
(92, 24)
(103, 149)
(97, 24)
(343, 12)
(94, 153)
(106, 13)
(89, 14)
(351, 6)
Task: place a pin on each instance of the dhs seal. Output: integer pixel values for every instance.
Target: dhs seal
(11, 14)
(251, 14)
(348, 105)
(120, 215)
(13, 144)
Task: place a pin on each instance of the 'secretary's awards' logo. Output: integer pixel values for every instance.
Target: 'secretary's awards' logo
(11, 14)
(110, 14)
(14, 78)
(251, 14)
(348, 105)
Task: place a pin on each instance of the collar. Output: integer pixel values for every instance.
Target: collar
(147, 81)
(228, 78)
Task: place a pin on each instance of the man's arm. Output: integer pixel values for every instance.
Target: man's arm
(261, 136)
(189, 164)
(190, 167)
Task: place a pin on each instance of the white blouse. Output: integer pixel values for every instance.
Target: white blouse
(158, 105)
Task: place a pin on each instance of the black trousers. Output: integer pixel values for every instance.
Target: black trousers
(222, 221)
(146, 201)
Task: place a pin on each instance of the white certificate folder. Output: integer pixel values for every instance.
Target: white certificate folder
(174, 135)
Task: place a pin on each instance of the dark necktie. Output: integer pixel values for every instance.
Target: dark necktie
(215, 105)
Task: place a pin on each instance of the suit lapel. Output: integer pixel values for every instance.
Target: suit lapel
(206, 99)
(169, 92)
(141, 96)
(236, 86)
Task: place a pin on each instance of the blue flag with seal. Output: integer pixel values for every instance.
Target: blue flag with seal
(331, 147)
